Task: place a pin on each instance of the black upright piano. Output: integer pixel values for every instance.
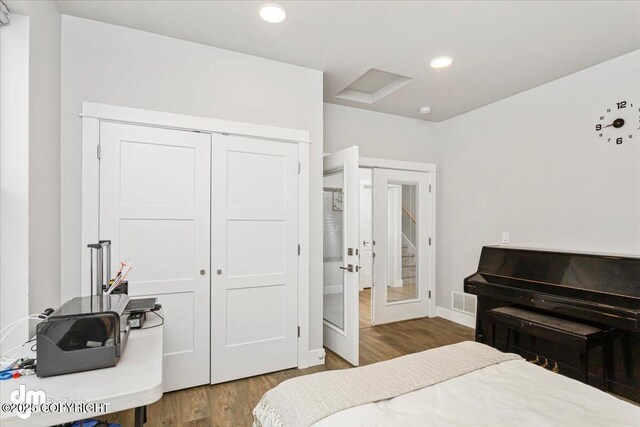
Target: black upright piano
(593, 289)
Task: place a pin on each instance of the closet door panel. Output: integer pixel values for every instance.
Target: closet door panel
(254, 256)
(155, 208)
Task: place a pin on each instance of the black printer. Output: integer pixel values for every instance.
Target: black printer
(84, 333)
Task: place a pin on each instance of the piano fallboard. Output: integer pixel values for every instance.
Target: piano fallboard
(604, 314)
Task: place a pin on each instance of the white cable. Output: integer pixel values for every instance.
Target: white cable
(18, 321)
(11, 326)
(5, 16)
(4, 355)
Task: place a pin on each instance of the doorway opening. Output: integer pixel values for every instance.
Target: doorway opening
(379, 262)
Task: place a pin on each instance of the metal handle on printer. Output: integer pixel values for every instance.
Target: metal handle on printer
(98, 287)
(107, 244)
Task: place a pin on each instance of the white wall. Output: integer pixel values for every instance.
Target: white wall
(115, 65)
(44, 151)
(14, 178)
(532, 165)
(379, 135)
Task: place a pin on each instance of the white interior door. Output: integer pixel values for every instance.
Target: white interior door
(403, 229)
(341, 223)
(254, 247)
(154, 207)
(366, 229)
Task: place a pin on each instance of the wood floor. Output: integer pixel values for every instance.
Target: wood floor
(230, 404)
(364, 311)
(400, 293)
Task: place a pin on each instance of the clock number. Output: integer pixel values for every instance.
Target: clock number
(622, 104)
(619, 141)
(598, 127)
(601, 117)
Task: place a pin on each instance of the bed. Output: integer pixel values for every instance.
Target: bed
(465, 384)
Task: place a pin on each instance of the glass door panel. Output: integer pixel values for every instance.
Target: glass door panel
(333, 244)
(402, 269)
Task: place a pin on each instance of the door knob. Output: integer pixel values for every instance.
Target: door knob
(349, 268)
(219, 272)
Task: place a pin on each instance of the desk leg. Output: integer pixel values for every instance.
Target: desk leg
(140, 416)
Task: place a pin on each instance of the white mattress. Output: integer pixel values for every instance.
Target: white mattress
(514, 393)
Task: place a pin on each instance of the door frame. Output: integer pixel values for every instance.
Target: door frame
(432, 169)
(93, 114)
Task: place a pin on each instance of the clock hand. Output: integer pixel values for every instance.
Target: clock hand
(617, 123)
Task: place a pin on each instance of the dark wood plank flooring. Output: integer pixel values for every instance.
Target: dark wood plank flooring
(231, 403)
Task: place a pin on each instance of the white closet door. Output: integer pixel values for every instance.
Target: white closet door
(254, 249)
(154, 207)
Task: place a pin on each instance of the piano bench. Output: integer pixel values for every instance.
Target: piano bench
(566, 332)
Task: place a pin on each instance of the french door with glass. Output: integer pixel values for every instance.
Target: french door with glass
(403, 271)
(341, 232)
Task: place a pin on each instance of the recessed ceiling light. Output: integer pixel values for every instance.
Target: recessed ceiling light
(425, 110)
(441, 62)
(273, 13)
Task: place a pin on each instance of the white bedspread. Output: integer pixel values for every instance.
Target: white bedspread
(302, 401)
(514, 393)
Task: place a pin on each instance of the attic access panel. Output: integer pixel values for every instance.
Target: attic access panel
(372, 86)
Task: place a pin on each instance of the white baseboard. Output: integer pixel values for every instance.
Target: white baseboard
(456, 316)
(316, 357)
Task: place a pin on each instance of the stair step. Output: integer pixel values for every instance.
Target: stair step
(408, 277)
(409, 256)
(409, 266)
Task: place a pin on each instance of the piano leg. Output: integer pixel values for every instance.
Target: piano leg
(505, 331)
(493, 334)
(607, 362)
(628, 358)
(583, 361)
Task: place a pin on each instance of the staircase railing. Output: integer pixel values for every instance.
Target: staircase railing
(409, 214)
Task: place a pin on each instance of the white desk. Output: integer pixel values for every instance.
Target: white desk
(136, 381)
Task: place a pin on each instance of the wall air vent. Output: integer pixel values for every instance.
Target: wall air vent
(457, 299)
(464, 302)
(372, 86)
(470, 304)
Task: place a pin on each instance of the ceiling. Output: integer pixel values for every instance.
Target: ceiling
(499, 48)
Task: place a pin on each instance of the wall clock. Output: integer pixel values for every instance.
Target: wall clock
(619, 123)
